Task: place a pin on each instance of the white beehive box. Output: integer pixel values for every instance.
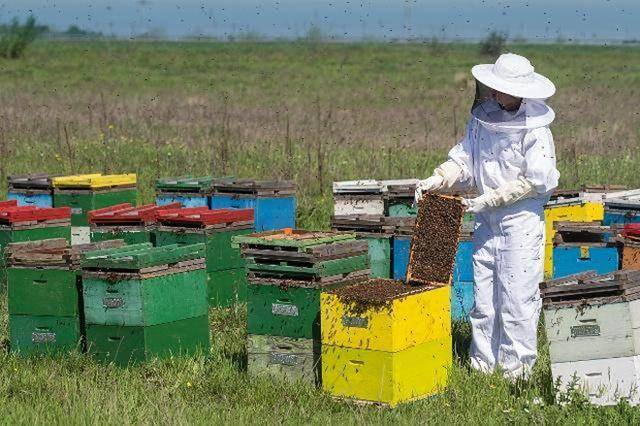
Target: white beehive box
(603, 381)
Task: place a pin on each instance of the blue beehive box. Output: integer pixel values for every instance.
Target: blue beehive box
(31, 190)
(400, 256)
(569, 260)
(462, 292)
(620, 212)
(187, 190)
(273, 202)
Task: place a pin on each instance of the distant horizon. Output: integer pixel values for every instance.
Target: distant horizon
(587, 21)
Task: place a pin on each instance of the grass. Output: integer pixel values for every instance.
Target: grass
(311, 112)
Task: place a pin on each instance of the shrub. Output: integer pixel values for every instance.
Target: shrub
(15, 38)
(493, 44)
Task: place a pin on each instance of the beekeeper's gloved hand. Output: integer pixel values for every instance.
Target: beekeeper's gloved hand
(505, 195)
(444, 177)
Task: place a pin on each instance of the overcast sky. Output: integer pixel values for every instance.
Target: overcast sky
(380, 19)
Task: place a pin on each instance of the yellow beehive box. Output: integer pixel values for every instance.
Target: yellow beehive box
(405, 321)
(581, 211)
(387, 377)
(94, 181)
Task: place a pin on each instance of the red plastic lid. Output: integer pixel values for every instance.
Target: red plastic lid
(8, 203)
(126, 213)
(203, 216)
(30, 213)
(631, 229)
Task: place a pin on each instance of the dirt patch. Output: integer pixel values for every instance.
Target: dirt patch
(375, 293)
(435, 240)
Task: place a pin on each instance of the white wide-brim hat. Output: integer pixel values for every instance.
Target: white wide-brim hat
(514, 75)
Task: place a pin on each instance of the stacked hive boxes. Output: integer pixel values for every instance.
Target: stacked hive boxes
(214, 228)
(31, 190)
(186, 190)
(592, 324)
(45, 295)
(18, 224)
(287, 272)
(142, 302)
(566, 210)
(583, 246)
(273, 202)
(123, 221)
(83, 193)
(385, 342)
(359, 207)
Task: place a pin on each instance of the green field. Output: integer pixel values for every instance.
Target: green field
(312, 112)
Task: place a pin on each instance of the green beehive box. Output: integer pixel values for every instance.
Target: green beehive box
(285, 358)
(220, 253)
(276, 310)
(125, 345)
(112, 298)
(130, 234)
(31, 334)
(82, 201)
(319, 269)
(379, 255)
(402, 210)
(38, 232)
(226, 288)
(38, 291)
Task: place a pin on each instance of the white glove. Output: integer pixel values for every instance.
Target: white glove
(433, 183)
(507, 194)
(444, 177)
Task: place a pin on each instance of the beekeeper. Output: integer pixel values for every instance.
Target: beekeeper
(508, 155)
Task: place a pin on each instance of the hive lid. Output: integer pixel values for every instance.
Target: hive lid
(18, 214)
(255, 187)
(295, 239)
(362, 186)
(186, 184)
(590, 288)
(126, 214)
(203, 217)
(141, 256)
(94, 181)
(359, 223)
(33, 181)
(54, 252)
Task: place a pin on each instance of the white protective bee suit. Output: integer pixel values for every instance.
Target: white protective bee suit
(510, 158)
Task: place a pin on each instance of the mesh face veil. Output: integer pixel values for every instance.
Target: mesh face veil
(482, 93)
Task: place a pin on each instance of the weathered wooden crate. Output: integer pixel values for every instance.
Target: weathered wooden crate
(126, 345)
(413, 316)
(604, 381)
(281, 307)
(273, 202)
(388, 378)
(284, 358)
(30, 334)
